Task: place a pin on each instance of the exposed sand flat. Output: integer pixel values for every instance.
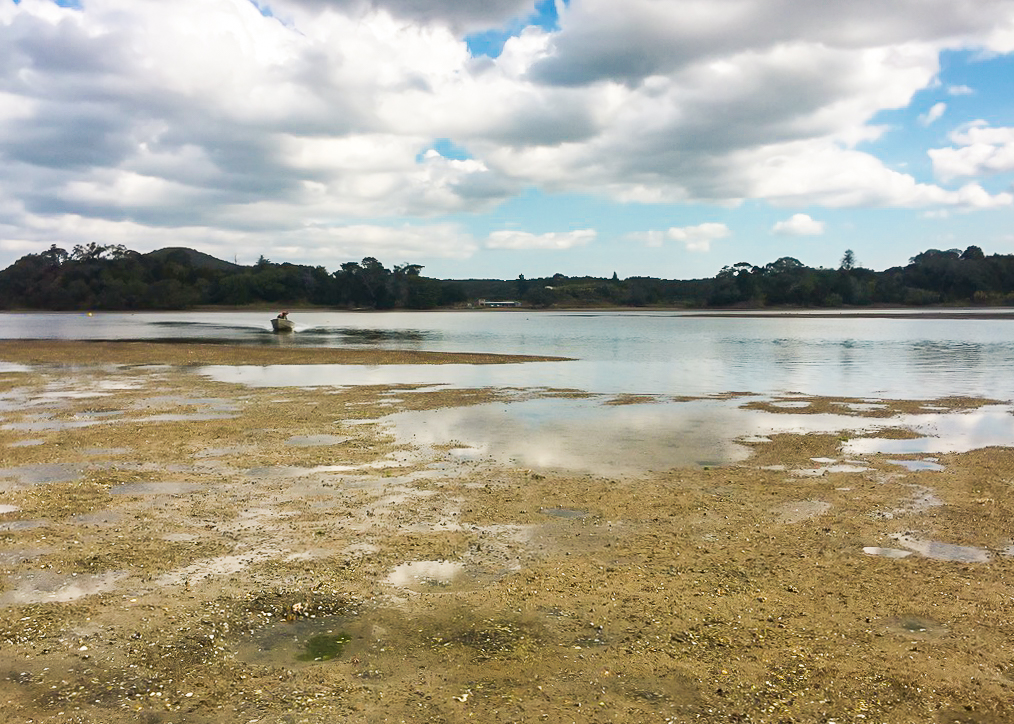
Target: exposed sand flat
(173, 549)
(178, 353)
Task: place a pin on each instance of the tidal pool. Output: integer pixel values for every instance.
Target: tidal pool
(944, 432)
(942, 551)
(588, 434)
(302, 641)
(593, 434)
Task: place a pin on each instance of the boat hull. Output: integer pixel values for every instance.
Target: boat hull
(282, 325)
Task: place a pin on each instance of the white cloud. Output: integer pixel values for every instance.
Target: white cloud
(699, 238)
(206, 119)
(508, 239)
(979, 149)
(960, 90)
(933, 114)
(463, 16)
(799, 225)
(653, 238)
(316, 245)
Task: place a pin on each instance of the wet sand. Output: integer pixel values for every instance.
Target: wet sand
(178, 550)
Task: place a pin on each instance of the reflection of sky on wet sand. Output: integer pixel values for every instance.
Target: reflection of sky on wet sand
(943, 433)
(613, 439)
(585, 434)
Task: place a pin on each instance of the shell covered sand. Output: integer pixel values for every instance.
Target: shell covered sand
(178, 550)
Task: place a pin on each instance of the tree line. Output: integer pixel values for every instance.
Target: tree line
(101, 277)
(116, 278)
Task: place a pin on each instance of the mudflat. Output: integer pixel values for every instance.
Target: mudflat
(174, 549)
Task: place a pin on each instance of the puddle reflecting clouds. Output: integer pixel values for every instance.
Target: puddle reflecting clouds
(577, 434)
(587, 435)
(425, 574)
(943, 433)
(941, 551)
(929, 464)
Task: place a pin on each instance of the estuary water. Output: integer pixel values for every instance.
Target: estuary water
(917, 356)
(723, 361)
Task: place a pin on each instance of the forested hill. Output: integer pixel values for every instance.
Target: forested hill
(116, 278)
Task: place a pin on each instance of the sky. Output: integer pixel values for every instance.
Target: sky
(492, 138)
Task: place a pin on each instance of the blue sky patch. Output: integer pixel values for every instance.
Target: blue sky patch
(491, 42)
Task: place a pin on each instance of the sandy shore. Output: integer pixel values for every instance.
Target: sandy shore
(174, 549)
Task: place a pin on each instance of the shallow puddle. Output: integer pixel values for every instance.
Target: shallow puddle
(923, 499)
(42, 473)
(425, 575)
(929, 464)
(918, 627)
(19, 555)
(302, 641)
(12, 525)
(943, 433)
(825, 469)
(5, 508)
(658, 434)
(47, 586)
(886, 552)
(211, 567)
(569, 434)
(46, 424)
(941, 551)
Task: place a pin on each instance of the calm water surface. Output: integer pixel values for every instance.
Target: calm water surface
(657, 354)
(637, 352)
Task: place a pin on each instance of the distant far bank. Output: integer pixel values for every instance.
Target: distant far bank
(113, 278)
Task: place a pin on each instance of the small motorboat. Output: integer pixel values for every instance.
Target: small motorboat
(282, 323)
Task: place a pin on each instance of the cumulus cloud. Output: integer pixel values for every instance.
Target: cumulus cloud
(508, 239)
(979, 149)
(461, 15)
(699, 238)
(223, 121)
(933, 114)
(799, 225)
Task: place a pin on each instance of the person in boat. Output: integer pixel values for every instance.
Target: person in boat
(283, 315)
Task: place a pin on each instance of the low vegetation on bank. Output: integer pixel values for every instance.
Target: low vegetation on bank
(116, 278)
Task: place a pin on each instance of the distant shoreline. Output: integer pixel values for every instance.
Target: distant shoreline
(755, 312)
